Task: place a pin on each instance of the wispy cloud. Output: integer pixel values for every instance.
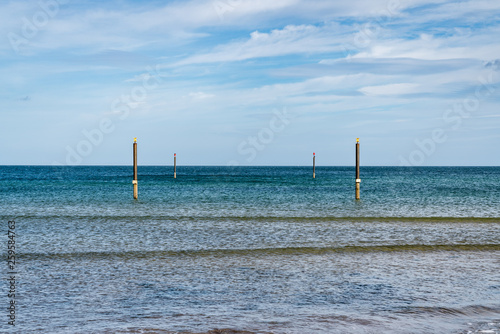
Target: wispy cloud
(200, 95)
(393, 89)
(303, 39)
(230, 71)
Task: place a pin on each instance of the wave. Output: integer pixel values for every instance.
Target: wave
(388, 219)
(472, 310)
(260, 251)
(162, 331)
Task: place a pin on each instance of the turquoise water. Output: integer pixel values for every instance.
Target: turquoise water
(257, 249)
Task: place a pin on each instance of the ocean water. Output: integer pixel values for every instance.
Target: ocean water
(252, 250)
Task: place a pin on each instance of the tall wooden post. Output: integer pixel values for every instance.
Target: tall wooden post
(358, 180)
(175, 165)
(134, 182)
(314, 165)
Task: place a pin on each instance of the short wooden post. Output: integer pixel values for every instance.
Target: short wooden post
(358, 180)
(175, 165)
(314, 165)
(134, 182)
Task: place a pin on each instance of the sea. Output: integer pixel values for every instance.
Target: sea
(250, 250)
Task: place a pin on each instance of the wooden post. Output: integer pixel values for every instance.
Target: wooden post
(134, 182)
(175, 165)
(358, 180)
(314, 165)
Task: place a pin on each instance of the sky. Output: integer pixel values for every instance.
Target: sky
(250, 82)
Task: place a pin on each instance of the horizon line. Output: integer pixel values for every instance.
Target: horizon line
(231, 166)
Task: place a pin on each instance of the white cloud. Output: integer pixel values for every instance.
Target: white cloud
(292, 39)
(393, 89)
(200, 95)
(232, 70)
(428, 47)
(465, 11)
(130, 27)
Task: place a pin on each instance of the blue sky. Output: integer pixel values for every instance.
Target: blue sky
(250, 82)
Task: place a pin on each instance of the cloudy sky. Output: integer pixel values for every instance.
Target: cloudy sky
(250, 82)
